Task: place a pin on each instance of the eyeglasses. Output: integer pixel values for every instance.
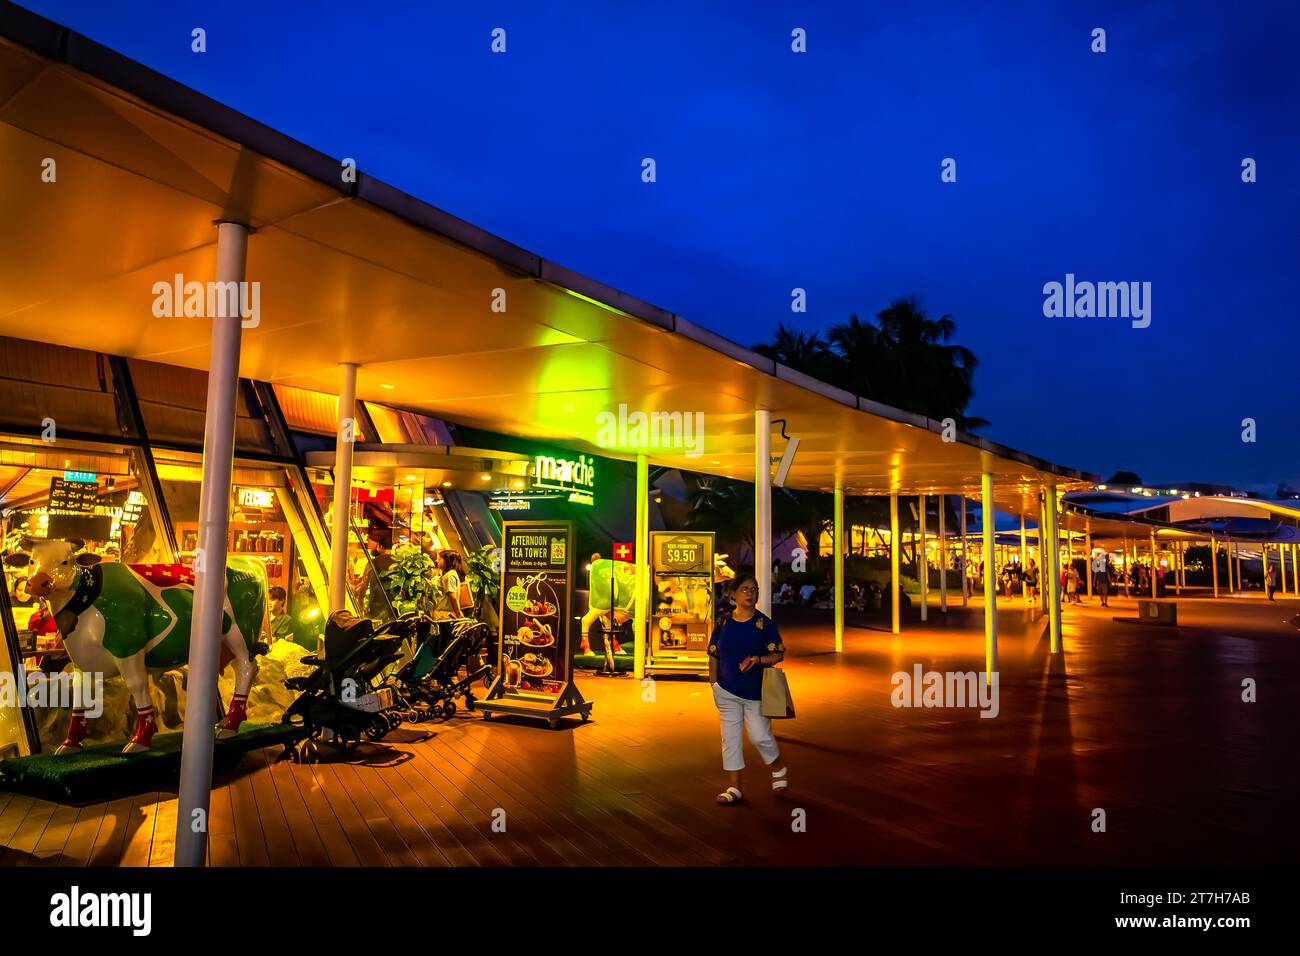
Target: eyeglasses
(748, 590)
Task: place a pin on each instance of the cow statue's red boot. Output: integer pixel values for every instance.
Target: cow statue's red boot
(146, 725)
(77, 732)
(236, 715)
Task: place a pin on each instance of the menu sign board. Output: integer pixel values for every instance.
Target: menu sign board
(681, 618)
(536, 588)
(75, 511)
(73, 497)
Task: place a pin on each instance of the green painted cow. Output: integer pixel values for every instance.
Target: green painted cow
(613, 591)
(114, 619)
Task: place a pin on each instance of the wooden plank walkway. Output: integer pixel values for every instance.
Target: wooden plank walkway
(1146, 723)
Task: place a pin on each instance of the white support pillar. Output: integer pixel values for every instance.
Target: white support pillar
(1054, 584)
(210, 561)
(1128, 570)
(641, 556)
(1155, 591)
(895, 567)
(1295, 571)
(343, 442)
(1087, 544)
(837, 550)
(763, 508)
(988, 520)
(943, 556)
(923, 562)
(965, 556)
(1044, 552)
(1214, 564)
(1024, 556)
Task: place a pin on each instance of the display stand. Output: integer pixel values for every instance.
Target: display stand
(534, 676)
(681, 613)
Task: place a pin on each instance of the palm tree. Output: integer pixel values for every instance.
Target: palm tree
(906, 360)
(798, 350)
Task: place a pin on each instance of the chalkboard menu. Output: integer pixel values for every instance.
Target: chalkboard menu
(73, 511)
(73, 497)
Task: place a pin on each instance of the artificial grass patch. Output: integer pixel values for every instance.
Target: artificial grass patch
(103, 772)
(596, 661)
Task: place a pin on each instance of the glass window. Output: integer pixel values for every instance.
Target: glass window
(65, 490)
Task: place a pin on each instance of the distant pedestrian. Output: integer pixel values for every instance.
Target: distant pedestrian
(1270, 581)
(1031, 580)
(1072, 584)
(1101, 577)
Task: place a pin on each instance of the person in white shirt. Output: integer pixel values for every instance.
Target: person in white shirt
(1101, 576)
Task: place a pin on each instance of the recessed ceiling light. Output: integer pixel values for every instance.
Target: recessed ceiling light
(446, 484)
(410, 477)
(386, 385)
(485, 477)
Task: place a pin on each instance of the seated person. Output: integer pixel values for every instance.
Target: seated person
(281, 622)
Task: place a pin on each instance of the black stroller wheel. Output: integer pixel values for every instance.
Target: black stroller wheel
(448, 709)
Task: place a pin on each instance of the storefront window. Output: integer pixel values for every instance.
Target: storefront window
(265, 524)
(85, 492)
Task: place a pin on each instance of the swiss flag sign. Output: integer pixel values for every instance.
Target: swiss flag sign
(623, 551)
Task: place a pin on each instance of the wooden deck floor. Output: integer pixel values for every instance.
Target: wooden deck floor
(1143, 722)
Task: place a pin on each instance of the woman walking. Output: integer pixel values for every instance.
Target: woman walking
(746, 641)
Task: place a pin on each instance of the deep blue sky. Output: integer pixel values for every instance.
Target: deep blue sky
(821, 170)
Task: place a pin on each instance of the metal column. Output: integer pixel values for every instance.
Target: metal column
(210, 561)
(344, 439)
(763, 508)
(894, 567)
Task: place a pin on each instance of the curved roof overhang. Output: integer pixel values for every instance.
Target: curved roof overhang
(357, 272)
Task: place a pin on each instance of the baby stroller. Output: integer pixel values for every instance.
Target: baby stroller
(345, 694)
(431, 679)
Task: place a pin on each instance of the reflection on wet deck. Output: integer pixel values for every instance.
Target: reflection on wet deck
(1145, 723)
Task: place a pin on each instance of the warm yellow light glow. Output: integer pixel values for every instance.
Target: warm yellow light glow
(387, 386)
(485, 477)
(446, 484)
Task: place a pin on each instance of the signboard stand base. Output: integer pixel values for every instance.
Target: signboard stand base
(570, 703)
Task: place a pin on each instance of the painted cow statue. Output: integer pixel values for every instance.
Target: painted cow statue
(613, 588)
(115, 619)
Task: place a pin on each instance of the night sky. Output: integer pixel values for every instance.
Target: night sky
(821, 170)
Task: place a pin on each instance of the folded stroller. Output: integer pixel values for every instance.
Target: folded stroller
(346, 694)
(431, 680)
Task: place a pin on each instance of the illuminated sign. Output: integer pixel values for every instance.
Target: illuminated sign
(80, 476)
(510, 504)
(577, 478)
(255, 498)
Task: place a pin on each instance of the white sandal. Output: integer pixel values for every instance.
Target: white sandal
(778, 778)
(730, 795)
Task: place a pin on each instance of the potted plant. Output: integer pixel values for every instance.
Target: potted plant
(411, 581)
(484, 576)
